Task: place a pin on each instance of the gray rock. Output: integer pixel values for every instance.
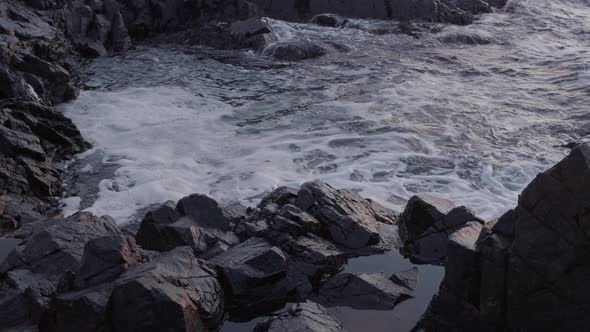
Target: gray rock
(407, 278)
(307, 316)
(105, 258)
(329, 20)
(175, 291)
(259, 278)
(365, 291)
(295, 50)
(348, 218)
(426, 225)
(196, 221)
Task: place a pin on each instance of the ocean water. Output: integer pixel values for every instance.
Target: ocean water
(470, 113)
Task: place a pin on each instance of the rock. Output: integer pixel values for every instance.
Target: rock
(427, 10)
(59, 247)
(407, 278)
(364, 291)
(259, 278)
(524, 271)
(105, 258)
(175, 291)
(420, 214)
(306, 316)
(196, 221)
(426, 225)
(329, 20)
(295, 50)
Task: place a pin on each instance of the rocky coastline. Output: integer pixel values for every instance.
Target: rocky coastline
(192, 264)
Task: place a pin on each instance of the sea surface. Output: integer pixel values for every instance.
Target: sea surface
(470, 113)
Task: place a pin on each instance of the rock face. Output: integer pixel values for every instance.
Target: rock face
(367, 291)
(526, 270)
(425, 227)
(452, 11)
(307, 316)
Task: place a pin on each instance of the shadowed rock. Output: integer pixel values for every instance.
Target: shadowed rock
(365, 291)
(259, 278)
(307, 316)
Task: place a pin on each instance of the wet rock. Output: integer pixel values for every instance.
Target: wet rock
(365, 291)
(196, 221)
(295, 50)
(259, 278)
(349, 219)
(59, 247)
(105, 258)
(525, 270)
(306, 316)
(329, 20)
(426, 225)
(407, 278)
(175, 291)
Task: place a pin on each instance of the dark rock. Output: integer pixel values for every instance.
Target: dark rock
(420, 214)
(349, 219)
(307, 316)
(259, 278)
(295, 50)
(329, 20)
(526, 271)
(105, 258)
(196, 221)
(365, 291)
(407, 279)
(175, 291)
(426, 225)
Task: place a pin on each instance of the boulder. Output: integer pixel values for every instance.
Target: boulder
(175, 291)
(196, 221)
(365, 291)
(295, 50)
(259, 278)
(349, 219)
(329, 20)
(106, 258)
(307, 316)
(425, 227)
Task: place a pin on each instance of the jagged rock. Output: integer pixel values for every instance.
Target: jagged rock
(196, 221)
(349, 219)
(307, 316)
(295, 50)
(407, 278)
(59, 247)
(175, 291)
(315, 256)
(105, 258)
(526, 270)
(259, 278)
(366, 291)
(427, 223)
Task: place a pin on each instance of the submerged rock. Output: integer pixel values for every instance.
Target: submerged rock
(295, 50)
(367, 291)
(307, 316)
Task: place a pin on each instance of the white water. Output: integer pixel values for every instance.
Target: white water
(392, 117)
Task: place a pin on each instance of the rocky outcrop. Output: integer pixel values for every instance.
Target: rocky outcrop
(425, 227)
(451, 11)
(527, 270)
(306, 316)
